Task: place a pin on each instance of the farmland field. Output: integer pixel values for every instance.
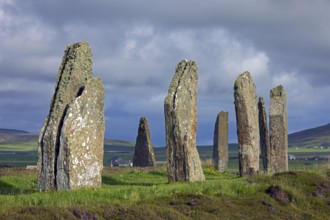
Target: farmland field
(21, 154)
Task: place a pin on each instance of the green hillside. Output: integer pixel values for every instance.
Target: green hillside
(16, 136)
(314, 137)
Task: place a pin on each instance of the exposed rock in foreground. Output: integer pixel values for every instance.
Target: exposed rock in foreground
(183, 162)
(71, 140)
(278, 130)
(220, 142)
(144, 152)
(247, 124)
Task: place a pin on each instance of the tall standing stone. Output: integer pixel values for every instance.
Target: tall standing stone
(220, 142)
(247, 124)
(183, 162)
(144, 152)
(71, 140)
(278, 130)
(264, 136)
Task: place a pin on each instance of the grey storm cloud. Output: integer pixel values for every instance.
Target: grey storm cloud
(137, 44)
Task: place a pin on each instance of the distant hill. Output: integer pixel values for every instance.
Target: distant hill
(114, 142)
(314, 137)
(11, 131)
(12, 135)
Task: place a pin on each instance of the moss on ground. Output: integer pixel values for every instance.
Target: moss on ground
(145, 194)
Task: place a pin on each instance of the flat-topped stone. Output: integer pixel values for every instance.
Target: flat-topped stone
(220, 142)
(278, 130)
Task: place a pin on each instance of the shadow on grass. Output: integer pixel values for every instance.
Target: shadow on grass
(217, 178)
(8, 189)
(111, 181)
(158, 173)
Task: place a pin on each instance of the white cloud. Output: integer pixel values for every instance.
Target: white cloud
(300, 93)
(137, 46)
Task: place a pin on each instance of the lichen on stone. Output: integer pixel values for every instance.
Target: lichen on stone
(73, 81)
(181, 123)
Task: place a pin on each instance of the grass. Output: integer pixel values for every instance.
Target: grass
(308, 150)
(145, 194)
(19, 146)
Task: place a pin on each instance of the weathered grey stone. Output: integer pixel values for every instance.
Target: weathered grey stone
(183, 162)
(144, 152)
(80, 159)
(74, 90)
(220, 142)
(278, 130)
(247, 124)
(264, 136)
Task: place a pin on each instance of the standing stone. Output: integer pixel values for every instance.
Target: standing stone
(144, 152)
(264, 136)
(220, 142)
(183, 162)
(80, 159)
(278, 130)
(247, 124)
(71, 140)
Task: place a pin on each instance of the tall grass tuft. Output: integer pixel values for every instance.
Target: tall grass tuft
(208, 163)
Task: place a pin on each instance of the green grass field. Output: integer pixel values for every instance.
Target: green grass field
(128, 193)
(309, 150)
(21, 154)
(19, 146)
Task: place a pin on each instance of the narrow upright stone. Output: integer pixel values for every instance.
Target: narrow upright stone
(278, 130)
(220, 142)
(144, 152)
(264, 136)
(75, 120)
(247, 124)
(183, 162)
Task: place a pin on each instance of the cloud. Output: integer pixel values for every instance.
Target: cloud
(301, 95)
(137, 45)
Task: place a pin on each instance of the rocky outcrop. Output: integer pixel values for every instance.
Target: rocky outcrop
(264, 136)
(278, 130)
(144, 152)
(71, 140)
(220, 142)
(247, 124)
(183, 162)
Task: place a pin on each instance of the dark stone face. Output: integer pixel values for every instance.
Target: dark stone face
(78, 100)
(183, 162)
(277, 193)
(264, 136)
(144, 153)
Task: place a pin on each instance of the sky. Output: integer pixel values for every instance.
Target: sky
(136, 46)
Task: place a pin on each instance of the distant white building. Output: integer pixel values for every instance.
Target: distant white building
(119, 162)
(292, 157)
